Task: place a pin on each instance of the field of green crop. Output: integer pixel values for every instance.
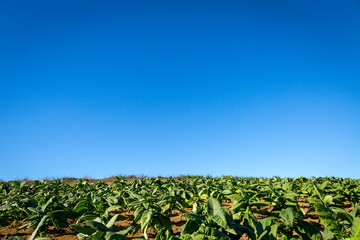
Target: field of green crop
(205, 208)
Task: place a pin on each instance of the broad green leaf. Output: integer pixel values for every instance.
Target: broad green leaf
(165, 222)
(288, 215)
(329, 219)
(267, 222)
(113, 208)
(354, 211)
(35, 210)
(327, 234)
(83, 228)
(112, 221)
(48, 203)
(220, 219)
(328, 200)
(98, 235)
(307, 231)
(213, 205)
(86, 217)
(342, 214)
(271, 225)
(167, 207)
(126, 231)
(195, 207)
(146, 218)
(190, 227)
(273, 231)
(98, 219)
(238, 229)
(259, 204)
(196, 217)
(210, 232)
(114, 236)
(55, 223)
(97, 226)
(61, 215)
(137, 214)
(355, 229)
(226, 192)
(207, 237)
(112, 200)
(82, 236)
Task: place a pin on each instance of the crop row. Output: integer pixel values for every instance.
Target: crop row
(93, 209)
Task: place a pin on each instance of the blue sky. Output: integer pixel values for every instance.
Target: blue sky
(245, 88)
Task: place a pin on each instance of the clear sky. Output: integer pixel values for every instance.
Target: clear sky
(245, 88)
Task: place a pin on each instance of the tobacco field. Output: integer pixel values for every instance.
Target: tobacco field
(182, 208)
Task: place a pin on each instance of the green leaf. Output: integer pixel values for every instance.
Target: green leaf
(165, 222)
(329, 219)
(307, 231)
(138, 213)
(355, 229)
(86, 217)
(273, 231)
(263, 234)
(83, 228)
(209, 232)
(166, 208)
(354, 211)
(35, 210)
(97, 226)
(25, 226)
(259, 204)
(190, 227)
(126, 231)
(112, 200)
(328, 200)
(227, 192)
(98, 235)
(113, 208)
(145, 232)
(271, 225)
(112, 221)
(213, 205)
(196, 217)
(342, 214)
(61, 215)
(238, 229)
(146, 218)
(114, 236)
(206, 237)
(33, 217)
(288, 215)
(327, 234)
(49, 202)
(220, 219)
(83, 236)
